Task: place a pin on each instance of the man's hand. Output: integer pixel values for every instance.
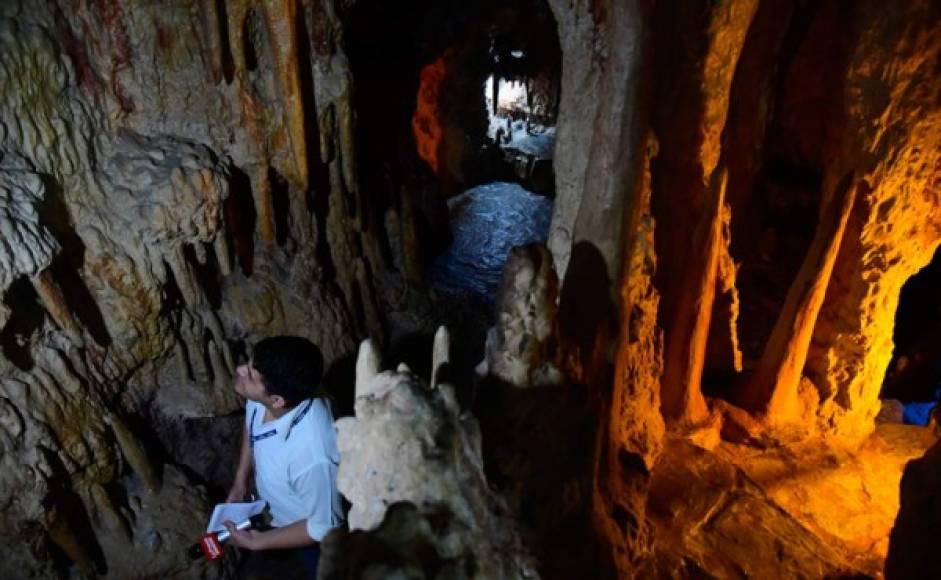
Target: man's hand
(292, 536)
(248, 539)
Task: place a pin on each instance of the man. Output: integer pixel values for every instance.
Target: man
(289, 443)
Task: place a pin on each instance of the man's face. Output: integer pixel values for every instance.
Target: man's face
(248, 383)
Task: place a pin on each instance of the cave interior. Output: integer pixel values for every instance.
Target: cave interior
(608, 289)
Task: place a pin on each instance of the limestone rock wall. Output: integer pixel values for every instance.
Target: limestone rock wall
(176, 181)
(894, 111)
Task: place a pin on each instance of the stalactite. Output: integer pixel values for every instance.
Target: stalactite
(326, 122)
(496, 94)
(211, 19)
(347, 148)
(371, 309)
(185, 278)
(687, 335)
(281, 19)
(411, 252)
(261, 187)
(211, 321)
(134, 452)
(773, 388)
(200, 253)
(64, 535)
(54, 300)
(220, 374)
(223, 253)
(113, 519)
(252, 119)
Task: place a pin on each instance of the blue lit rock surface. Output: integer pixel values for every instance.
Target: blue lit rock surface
(488, 221)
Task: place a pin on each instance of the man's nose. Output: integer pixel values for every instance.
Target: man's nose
(242, 370)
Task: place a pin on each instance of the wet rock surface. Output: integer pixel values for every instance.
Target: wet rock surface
(488, 221)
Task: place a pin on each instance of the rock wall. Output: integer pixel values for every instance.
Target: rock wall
(176, 181)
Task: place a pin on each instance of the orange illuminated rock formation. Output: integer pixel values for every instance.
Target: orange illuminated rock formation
(772, 390)
(426, 123)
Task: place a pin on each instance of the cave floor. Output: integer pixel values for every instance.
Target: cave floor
(847, 498)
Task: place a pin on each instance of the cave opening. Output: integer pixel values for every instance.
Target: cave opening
(462, 171)
(437, 133)
(914, 373)
(25, 319)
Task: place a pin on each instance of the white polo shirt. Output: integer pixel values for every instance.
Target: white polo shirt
(296, 461)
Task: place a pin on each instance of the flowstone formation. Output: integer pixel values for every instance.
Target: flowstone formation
(410, 443)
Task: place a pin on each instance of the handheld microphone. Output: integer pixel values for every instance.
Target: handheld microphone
(210, 545)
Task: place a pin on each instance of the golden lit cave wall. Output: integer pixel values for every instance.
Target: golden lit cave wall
(852, 273)
(880, 199)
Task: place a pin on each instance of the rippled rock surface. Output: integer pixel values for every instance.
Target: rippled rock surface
(489, 220)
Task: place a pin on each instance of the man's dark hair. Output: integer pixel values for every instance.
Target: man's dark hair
(290, 366)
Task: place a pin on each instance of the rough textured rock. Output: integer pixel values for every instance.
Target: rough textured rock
(27, 246)
(848, 499)
(411, 443)
(728, 527)
(597, 137)
(521, 347)
(155, 206)
(892, 137)
(409, 543)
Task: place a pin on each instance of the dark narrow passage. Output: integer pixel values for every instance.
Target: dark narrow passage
(914, 375)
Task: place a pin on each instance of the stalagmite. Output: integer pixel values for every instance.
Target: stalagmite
(134, 453)
(727, 303)
(367, 366)
(54, 300)
(772, 389)
(682, 397)
(440, 354)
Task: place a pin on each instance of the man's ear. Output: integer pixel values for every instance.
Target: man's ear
(277, 401)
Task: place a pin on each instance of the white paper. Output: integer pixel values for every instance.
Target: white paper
(237, 512)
